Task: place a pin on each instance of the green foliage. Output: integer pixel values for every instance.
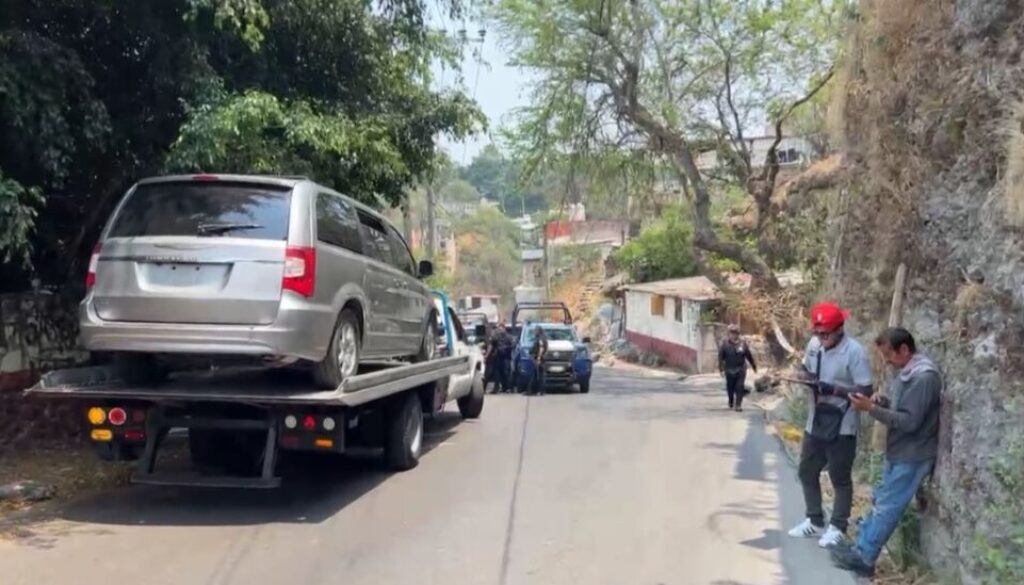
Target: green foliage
(572, 260)
(664, 250)
(258, 133)
(18, 211)
(661, 80)
(247, 18)
(488, 260)
(500, 179)
(98, 94)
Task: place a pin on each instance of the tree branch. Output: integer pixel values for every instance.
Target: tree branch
(763, 186)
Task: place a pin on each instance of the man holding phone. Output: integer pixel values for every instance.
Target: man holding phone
(911, 413)
(836, 366)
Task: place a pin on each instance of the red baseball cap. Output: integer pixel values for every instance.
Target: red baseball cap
(828, 315)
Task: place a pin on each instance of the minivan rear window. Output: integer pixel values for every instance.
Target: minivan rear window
(212, 209)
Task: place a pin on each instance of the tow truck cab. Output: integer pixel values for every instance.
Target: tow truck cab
(568, 362)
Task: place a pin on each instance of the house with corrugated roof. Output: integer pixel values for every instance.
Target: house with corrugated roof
(672, 318)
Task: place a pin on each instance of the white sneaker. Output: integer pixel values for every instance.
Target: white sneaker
(805, 529)
(832, 537)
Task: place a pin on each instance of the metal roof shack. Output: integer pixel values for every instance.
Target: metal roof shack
(694, 288)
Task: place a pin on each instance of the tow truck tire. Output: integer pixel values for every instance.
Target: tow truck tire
(428, 345)
(404, 441)
(472, 404)
(585, 386)
(328, 373)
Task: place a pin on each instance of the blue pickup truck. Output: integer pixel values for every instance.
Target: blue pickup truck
(567, 362)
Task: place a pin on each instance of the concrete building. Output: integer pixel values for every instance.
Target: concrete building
(481, 303)
(668, 317)
(793, 151)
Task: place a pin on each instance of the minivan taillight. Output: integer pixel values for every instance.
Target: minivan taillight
(299, 271)
(94, 260)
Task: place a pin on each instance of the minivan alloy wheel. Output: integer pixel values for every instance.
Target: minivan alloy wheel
(348, 350)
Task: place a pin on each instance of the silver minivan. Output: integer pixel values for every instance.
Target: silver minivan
(280, 269)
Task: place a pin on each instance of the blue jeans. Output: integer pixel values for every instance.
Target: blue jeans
(890, 499)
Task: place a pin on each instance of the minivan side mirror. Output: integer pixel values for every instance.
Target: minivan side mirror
(426, 268)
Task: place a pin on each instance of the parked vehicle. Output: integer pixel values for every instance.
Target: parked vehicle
(567, 362)
(240, 419)
(278, 269)
(466, 388)
(474, 320)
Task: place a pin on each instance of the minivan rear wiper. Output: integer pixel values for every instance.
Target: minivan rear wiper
(210, 229)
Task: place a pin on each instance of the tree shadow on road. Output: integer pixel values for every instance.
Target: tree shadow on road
(315, 487)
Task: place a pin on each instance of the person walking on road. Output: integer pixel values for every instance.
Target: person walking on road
(835, 366)
(733, 357)
(910, 410)
(537, 352)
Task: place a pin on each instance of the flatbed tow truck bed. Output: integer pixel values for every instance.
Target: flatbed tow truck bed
(247, 400)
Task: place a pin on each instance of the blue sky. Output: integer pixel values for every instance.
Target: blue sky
(499, 88)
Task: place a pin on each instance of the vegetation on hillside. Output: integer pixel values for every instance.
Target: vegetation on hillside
(99, 94)
(666, 80)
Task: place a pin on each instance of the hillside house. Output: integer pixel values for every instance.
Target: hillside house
(481, 303)
(670, 318)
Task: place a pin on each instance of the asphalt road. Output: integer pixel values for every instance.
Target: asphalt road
(645, 481)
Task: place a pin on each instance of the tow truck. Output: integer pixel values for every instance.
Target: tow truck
(567, 361)
(239, 420)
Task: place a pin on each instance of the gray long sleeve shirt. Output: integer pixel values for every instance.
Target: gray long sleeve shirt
(913, 413)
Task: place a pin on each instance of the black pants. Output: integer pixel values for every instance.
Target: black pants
(837, 455)
(501, 374)
(734, 387)
(537, 382)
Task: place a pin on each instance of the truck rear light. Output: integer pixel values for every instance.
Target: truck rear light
(309, 423)
(299, 270)
(205, 178)
(101, 435)
(324, 443)
(134, 435)
(94, 260)
(290, 422)
(117, 416)
(328, 423)
(97, 415)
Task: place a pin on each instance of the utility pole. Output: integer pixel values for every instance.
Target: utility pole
(431, 221)
(547, 273)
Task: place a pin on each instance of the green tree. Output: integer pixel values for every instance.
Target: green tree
(501, 179)
(99, 94)
(488, 254)
(671, 78)
(661, 251)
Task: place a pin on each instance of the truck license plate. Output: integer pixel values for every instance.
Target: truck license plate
(556, 369)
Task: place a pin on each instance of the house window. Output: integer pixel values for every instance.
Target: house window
(679, 309)
(789, 155)
(657, 305)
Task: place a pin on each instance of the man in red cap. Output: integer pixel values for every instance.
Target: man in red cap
(836, 366)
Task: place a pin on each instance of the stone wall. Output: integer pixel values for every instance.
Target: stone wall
(38, 332)
(930, 94)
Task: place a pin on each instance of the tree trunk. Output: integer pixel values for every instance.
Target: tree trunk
(431, 223)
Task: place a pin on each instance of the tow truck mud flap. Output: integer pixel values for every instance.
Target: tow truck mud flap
(157, 426)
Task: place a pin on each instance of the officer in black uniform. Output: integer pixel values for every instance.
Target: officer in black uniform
(537, 352)
(733, 357)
